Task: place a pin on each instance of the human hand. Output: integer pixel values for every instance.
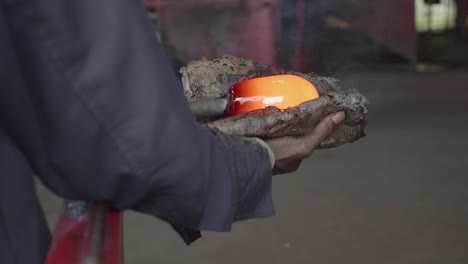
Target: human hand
(290, 151)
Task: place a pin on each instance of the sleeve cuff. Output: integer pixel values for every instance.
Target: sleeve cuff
(267, 147)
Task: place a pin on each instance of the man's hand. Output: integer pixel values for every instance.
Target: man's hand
(290, 151)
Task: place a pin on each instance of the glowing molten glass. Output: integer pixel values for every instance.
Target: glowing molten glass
(281, 91)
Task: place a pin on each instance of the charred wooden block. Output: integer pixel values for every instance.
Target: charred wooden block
(211, 79)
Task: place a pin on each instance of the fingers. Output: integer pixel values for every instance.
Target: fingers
(286, 166)
(290, 151)
(321, 132)
(337, 118)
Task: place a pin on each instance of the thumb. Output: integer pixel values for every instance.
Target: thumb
(337, 118)
(324, 129)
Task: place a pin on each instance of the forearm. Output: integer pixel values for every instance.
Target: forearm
(115, 124)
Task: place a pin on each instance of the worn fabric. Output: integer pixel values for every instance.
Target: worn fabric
(89, 103)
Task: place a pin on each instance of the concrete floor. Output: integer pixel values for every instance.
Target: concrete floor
(400, 195)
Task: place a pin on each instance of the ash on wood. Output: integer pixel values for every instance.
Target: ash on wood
(211, 79)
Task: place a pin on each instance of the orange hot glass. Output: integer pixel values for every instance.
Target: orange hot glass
(281, 91)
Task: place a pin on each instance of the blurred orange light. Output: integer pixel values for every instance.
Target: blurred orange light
(281, 91)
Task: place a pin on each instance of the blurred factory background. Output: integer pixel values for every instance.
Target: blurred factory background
(312, 35)
(398, 196)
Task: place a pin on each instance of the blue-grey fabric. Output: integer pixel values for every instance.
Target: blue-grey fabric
(89, 103)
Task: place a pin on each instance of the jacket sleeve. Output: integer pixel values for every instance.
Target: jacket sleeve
(113, 124)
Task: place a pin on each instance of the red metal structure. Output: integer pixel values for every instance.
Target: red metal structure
(87, 233)
(253, 28)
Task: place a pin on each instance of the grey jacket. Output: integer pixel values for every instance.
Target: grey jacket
(89, 103)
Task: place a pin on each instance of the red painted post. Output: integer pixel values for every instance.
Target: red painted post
(87, 233)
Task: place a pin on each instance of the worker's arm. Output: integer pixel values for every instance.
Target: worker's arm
(106, 119)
